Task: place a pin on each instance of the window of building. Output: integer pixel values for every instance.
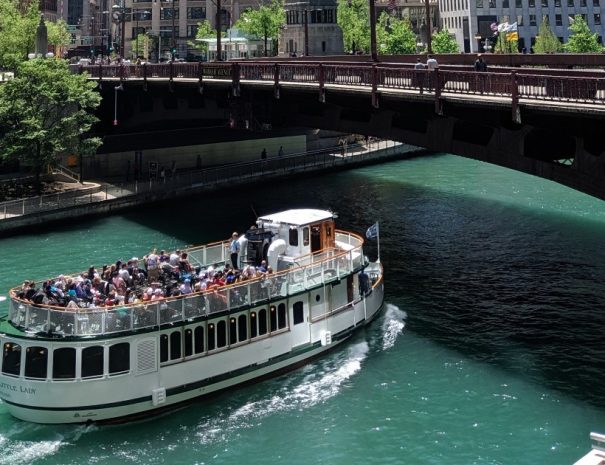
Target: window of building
(64, 363)
(198, 12)
(597, 19)
(519, 3)
(167, 13)
(544, 3)
(532, 20)
(11, 359)
(596, 2)
(192, 30)
(92, 361)
(519, 20)
(557, 3)
(505, 4)
(298, 313)
(36, 359)
(175, 345)
(119, 358)
(558, 20)
(584, 16)
(582, 3)
(293, 236)
(479, 3)
(492, 3)
(570, 3)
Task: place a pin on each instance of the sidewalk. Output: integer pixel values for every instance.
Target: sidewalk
(102, 198)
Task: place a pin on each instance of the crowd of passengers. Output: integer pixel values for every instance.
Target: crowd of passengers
(155, 277)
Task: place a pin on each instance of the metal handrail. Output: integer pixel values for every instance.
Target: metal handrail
(103, 320)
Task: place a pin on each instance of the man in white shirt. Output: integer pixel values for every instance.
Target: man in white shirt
(234, 247)
(431, 63)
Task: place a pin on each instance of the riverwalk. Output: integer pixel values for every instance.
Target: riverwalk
(98, 198)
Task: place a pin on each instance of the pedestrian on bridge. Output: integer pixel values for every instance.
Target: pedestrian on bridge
(480, 64)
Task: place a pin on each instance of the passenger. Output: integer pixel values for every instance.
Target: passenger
(153, 266)
(184, 265)
(263, 266)
(234, 247)
(164, 257)
(186, 287)
(157, 295)
(30, 291)
(175, 257)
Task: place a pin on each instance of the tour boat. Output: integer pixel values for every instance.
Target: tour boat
(91, 363)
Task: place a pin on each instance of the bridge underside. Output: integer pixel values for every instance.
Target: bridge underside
(560, 143)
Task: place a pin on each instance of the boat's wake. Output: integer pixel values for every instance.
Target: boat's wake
(392, 326)
(315, 384)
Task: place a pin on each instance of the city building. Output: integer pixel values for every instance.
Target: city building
(311, 29)
(471, 20)
(415, 11)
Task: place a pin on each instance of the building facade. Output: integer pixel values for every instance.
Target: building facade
(311, 29)
(470, 20)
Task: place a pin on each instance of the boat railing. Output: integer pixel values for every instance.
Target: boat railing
(598, 441)
(327, 267)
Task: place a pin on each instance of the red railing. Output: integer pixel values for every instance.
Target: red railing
(508, 84)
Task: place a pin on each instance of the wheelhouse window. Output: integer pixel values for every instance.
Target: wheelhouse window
(11, 359)
(163, 348)
(92, 361)
(293, 236)
(281, 316)
(188, 342)
(262, 322)
(242, 328)
(273, 318)
(232, 330)
(36, 359)
(119, 358)
(298, 313)
(64, 363)
(211, 337)
(175, 345)
(306, 236)
(253, 325)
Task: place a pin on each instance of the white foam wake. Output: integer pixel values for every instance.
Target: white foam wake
(321, 381)
(392, 326)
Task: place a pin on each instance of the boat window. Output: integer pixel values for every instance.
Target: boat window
(281, 316)
(119, 358)
(175, 345)
(36, 359)
(221, 334)
(11, 359)
(306, 235)
(273, 318)
(298, 313)
(211, 337)
(253, 324)
(64, 363)
(199, 339)
(232, 331)
(242, 328)
(163, 348)
(262, 322)
(293, 236)
(92, 361)
(188, 342)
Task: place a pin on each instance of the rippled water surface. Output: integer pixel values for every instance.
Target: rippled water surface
(489, 349)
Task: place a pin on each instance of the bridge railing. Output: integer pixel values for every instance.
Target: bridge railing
(513, 85)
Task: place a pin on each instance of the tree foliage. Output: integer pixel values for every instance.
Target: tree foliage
(582, 39)
(395, 36)
(264, 22)
(58, 35)
(46, 111)
(354, 20)
(547, 41)
(443, 42)
(204, 31)
(17, 32)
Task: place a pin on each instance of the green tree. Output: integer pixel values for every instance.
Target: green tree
(58, 36)
(354, 20)
(46, 111)
(443, 42)
(504, 45)
(582, 39)
(17, 32)
(265, 21)
(546, 40)
(394, 35)
(204, 31)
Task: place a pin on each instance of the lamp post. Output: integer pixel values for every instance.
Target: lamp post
(120, 15)
(173, 47)
(373, 49)
(219, 30)
(427, 14)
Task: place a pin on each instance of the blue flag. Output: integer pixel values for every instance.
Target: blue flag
(372, 232)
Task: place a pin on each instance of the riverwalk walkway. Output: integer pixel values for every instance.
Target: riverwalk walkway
(93, 198)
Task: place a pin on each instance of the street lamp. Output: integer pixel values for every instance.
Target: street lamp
(120, 15)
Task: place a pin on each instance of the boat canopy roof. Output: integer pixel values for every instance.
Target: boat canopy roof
(298, 217)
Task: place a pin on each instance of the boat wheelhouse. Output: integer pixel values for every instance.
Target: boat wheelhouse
(85, 362)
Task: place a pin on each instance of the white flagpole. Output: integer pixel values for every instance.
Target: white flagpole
(378, 240)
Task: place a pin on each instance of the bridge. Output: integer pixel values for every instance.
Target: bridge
(544, 122)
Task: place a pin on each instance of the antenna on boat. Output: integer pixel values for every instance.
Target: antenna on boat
(254, 211)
